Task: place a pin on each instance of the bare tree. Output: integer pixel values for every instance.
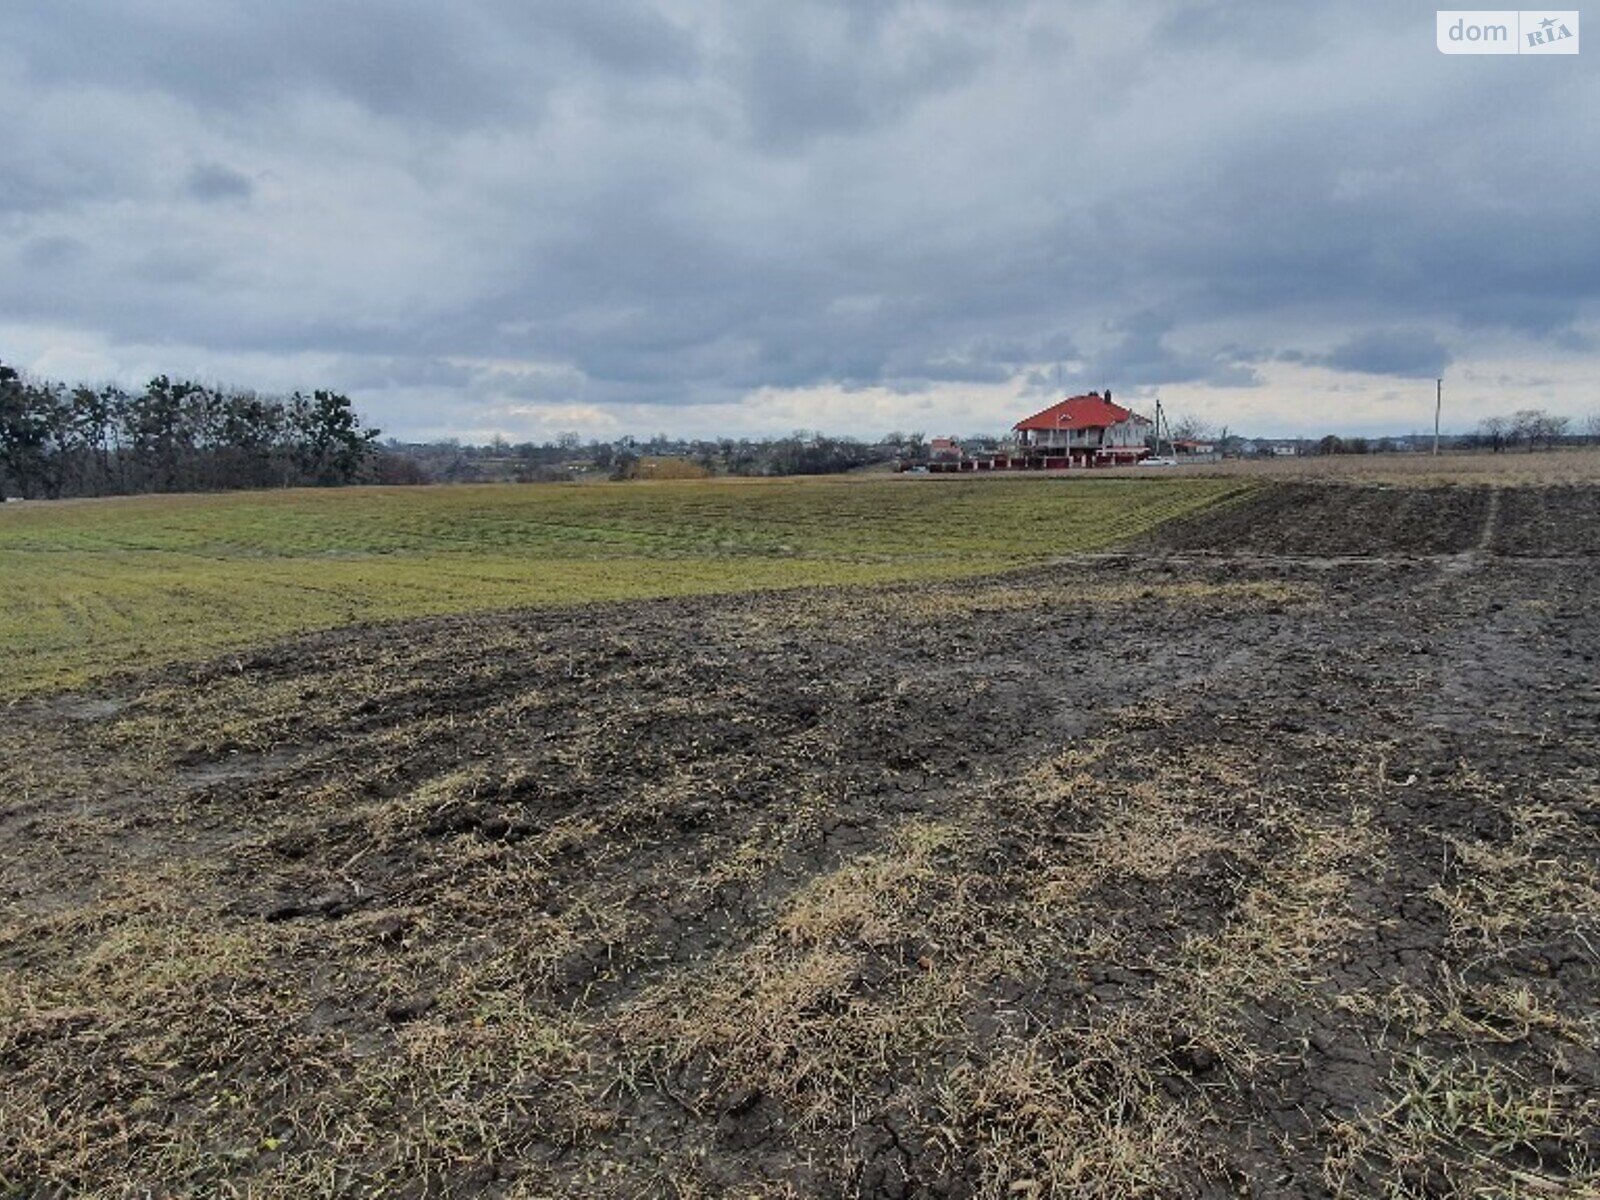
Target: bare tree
(1527, 424)
(1535, 425)
(1190, 428)
(1494, 430)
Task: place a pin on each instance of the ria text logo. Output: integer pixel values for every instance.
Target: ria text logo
(1507, 31)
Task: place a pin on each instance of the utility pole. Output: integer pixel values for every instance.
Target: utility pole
(1439, 404)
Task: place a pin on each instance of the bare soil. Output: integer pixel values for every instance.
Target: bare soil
(1567, 465)
(1261, 859)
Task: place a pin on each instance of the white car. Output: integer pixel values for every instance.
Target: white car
(1158, 462)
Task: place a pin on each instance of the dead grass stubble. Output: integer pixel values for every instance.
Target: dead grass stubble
(868, 990)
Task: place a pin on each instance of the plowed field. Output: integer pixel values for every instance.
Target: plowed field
(1258, 857)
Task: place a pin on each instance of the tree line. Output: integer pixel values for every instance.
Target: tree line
(1532, 427)
(568, 457)
(58, 440)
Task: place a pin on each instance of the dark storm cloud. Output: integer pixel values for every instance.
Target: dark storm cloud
(1142, 356)
(212, 181)
(624, 35)
(1408, 353)
(50, 253)
(425, 62)
(675, 201)
(382, 374)
(1233, 26)
(803, 73)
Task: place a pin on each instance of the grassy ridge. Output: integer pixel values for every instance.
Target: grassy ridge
(96, 586)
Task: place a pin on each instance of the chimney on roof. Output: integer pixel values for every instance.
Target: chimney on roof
(1108, 395)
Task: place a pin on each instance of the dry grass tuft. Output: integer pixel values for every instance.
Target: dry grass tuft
(1466, 1127)
(1548, 874)
(824, 1003)
(1074, 1113)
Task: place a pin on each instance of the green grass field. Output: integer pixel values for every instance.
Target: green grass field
(90, 587)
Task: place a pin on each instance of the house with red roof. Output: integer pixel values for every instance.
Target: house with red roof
(1086, 431)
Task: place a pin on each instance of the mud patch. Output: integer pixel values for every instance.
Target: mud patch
(1265, 866)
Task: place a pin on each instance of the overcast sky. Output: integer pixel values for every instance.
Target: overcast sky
(698, 217)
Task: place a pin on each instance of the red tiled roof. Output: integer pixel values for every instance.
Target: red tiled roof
(1078, 412)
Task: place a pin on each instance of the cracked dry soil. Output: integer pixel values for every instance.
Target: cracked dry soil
(1258, 860)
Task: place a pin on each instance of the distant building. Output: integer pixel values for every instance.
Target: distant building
(944, 449)
(1086, 431)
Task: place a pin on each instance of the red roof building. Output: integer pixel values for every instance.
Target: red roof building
(1086, 429)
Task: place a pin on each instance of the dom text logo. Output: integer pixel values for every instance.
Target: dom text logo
(1507, 31)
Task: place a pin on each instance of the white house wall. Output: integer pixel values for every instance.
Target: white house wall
(1125, 434)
